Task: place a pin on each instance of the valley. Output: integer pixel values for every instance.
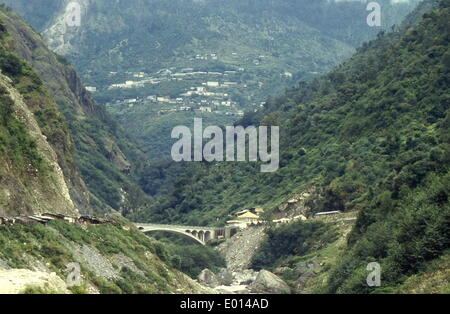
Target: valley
(155, 67)
(104, 188)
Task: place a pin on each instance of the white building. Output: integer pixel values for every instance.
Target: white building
(205, 109)
(212, 84)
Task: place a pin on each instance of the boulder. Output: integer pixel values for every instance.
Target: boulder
(225, 277)
(267, 282)
(306, 267)
(301, 269)
(301, 282)
(281, 270)
(15, 281)
(208, 278)
(313, 265)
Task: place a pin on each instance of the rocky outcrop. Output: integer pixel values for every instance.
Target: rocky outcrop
(93, 260)
(30, 46)
(245, 277)
(91, 128)
(15, 281)
(267, 282)
(300, 284)
(225, 277)
(32, 191)
(60, 35)
(296, 205)
(208, 278)
(304, 273)
(116, 156)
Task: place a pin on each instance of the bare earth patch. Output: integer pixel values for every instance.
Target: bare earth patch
(15, 281)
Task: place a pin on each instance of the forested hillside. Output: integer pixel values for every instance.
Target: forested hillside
(370, 139)
(371, 136)
(134, 35)
(53, 139)
(96, 157)
(145, 57)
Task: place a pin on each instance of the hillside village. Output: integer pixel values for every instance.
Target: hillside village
(202, 86)
(251, 217)
(211, 92)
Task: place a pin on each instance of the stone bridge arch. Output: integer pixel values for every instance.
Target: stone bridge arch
(199, 234)
(189, 235)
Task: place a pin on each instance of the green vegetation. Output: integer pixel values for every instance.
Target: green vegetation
(187, 255)
(192, 259)
(268, 39)
(91, 149)
(295, 239)
(153, 130)
(103, 164)
(241, 36)
(371, 136)
(38, 290)
(284, 31)
(345, 133)
(15, 142)
(434, 278)
(55, 246)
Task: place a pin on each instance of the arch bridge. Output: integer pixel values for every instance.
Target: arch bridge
(199, 234)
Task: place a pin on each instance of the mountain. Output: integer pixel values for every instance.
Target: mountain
(369, 139)
(371, 136)
(94, 155)
(154, 62)
(334, 128)
(144, 35)
(36, 147)
(53, 139)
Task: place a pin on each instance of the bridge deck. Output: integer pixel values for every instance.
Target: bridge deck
(178, 227)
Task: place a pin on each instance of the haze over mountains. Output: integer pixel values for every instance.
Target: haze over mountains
(132, 36)
(155, 62)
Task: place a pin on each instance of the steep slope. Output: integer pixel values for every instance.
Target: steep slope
(35, 145)
(103, 154)
(31, 178)
(69, 258)
(370, 136)
(344, 133)
(38, 174)
(153, 31)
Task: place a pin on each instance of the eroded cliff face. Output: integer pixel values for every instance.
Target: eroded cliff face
(91, 153)
(62, 33)
(26, 188)
(18, 38)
